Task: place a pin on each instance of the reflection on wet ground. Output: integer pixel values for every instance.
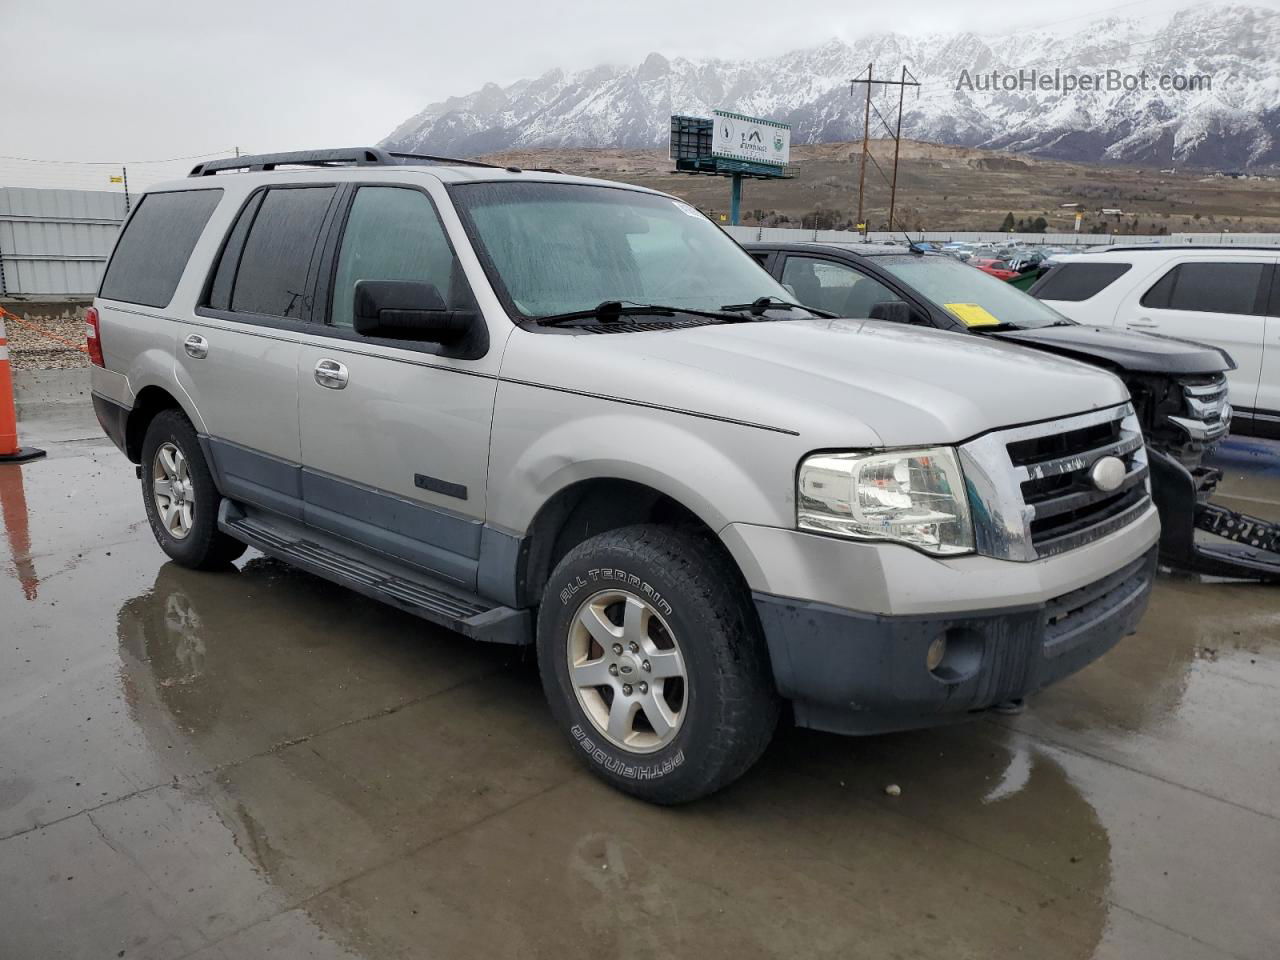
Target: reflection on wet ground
(253, 763)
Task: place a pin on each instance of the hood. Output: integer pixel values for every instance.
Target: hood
(1136, 352)
(833, 382)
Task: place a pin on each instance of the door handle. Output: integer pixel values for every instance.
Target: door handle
(197, 347)
(331, 374)
(1145, 323)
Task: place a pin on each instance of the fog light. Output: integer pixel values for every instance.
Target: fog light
(937, 650)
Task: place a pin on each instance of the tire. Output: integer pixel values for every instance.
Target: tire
(684, 597)
(190, 536)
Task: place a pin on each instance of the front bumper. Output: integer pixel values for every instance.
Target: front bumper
(859, 673)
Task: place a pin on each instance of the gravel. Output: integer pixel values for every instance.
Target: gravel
(32, 349)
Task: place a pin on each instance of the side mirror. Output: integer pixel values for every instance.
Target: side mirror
(407, 310)
(895, 311)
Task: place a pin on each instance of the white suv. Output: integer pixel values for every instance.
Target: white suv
(540, 409)
(1225, 296)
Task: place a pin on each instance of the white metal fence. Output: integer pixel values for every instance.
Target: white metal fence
(55, 243)
(793, 235)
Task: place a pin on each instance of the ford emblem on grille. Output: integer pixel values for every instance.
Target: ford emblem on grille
(1108, 473)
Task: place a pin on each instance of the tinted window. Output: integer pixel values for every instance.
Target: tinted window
(220, 291)
(1208, 288)
(1078, 281)
(1158, 295)
(834, 287)
(272, 274)
(153, 250)
(393, 233)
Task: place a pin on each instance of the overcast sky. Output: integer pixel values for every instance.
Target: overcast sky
(126, 80)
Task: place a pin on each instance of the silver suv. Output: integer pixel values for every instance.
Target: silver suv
(540, 409)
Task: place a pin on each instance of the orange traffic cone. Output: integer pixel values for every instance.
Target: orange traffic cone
(10, 452)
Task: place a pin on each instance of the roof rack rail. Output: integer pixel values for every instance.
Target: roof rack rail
(1122, 247)
(341, 157)
(450, 160)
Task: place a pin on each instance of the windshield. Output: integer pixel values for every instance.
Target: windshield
(974, 298)
(555, 248)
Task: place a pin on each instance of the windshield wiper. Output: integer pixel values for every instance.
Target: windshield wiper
(610, 311)
(996, 327)
(761, 305)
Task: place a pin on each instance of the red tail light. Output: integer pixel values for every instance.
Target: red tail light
(92, 337)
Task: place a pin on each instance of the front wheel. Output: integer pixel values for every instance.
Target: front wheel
(654, 664)
(180, 496)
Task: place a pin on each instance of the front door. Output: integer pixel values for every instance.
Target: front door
(395, 435)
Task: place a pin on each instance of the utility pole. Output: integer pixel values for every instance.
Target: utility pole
(866, 126)
(902, 85)
(897, 142)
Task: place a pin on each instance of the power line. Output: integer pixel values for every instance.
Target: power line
(117, 163)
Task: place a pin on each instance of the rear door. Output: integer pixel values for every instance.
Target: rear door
(395, 434)
(1216, 301)
(238, 356)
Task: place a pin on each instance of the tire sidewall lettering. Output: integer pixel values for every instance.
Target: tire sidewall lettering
(620, 767)
(616, 575)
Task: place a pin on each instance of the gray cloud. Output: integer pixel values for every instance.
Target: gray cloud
(90, 80)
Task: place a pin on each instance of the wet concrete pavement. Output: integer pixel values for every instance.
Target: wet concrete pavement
(255, 763)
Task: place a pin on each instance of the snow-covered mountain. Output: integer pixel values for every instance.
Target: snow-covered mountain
(1234, 124)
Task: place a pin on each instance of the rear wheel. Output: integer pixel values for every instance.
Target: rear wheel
(180, 496)
(654, 665)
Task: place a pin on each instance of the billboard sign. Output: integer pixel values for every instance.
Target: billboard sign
(753, 139)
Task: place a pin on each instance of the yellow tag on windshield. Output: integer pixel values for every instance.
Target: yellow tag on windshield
(972, 315)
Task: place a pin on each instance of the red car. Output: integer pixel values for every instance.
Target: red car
(995, 266)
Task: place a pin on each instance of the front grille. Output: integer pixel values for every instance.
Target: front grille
(1206, 414)
(1067, 507)
(1034, 450)
(1033, 490)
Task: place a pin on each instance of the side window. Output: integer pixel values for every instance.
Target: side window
(152, 253)
(267, 256)
(1073, 282)
(1209, 287)
(834, 287)
(1158, 296)
(394, 233)
(224, 277)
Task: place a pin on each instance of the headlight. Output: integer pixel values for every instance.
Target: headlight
(915, 497)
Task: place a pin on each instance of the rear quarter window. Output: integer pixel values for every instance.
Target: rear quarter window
(1074, 282)
(155, 246)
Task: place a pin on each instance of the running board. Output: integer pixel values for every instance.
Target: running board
(375, 576)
